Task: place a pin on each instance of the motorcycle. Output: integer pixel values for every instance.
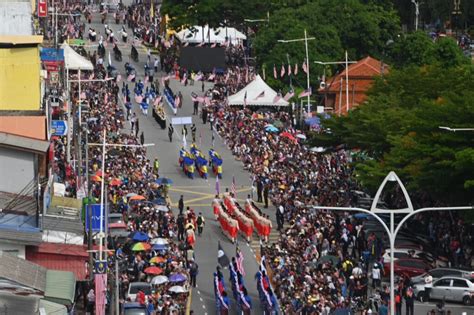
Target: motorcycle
(124, 35)
(92, 35)
(215, 162)
(134, 54)
(117, 53)
(101, 50)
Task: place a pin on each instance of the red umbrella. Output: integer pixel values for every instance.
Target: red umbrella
(288, 135)
(99, 173)
(115, 182)
(153, 270)
(96, 178)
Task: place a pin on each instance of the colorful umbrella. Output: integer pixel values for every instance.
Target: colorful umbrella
(115, 182)
(164, 181)
(177, 277)
(137, 197)
(96, 178)
(162, 208)
(153, 270)
(99, 173)
(159, 247)
(139, 236)
(159, 280)
(159, 241)
(177, 289)
(288, 135)
(157, 260)
(131, 195)
(139, 247)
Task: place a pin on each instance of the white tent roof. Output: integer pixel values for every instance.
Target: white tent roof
(74, 61)
(254, 92)
(195, 35)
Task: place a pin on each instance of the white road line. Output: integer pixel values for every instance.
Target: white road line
(204, 307)
(199, 292)
(200, 299)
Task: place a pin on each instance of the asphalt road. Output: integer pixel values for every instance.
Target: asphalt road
(199, 193)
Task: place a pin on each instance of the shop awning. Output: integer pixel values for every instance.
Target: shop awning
(60, 287)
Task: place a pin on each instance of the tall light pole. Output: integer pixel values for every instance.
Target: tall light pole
(102, 233)
(417, 12)
(305, 39)
(455, 129)
(346, 62)
(392, 231)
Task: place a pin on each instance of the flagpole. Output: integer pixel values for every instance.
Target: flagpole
(347, 85)
(307, 68)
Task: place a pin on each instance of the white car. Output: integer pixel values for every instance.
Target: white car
(454, 289)
(137, 286)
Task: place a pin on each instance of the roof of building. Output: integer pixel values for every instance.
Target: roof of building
(25, 143)
(55, 223)
(60, 286)
(33, 127)
(53, 308)
(20, 236)
(361, 73)
(21, 39)
(22, 272)
(65, 257)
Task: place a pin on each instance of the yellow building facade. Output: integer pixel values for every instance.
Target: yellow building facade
(20, 65)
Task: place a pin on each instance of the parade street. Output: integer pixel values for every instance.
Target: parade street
(198, 193)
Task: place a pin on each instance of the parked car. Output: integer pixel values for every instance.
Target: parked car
(134, 308)
(447, 288)
(115, 218)
(438, 273)
(408, 266)
(432, 260)
(137, 286)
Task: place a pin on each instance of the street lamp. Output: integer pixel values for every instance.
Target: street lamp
(305, 39)
(417, 12)
(392, 231)
(102, 233)
(455, 129)
(259, 20)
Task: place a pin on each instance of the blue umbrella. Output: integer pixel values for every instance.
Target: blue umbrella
(159, 201)
(159, 247)
(164, 181)
(271, 128)
(313, 121)
(138, 236)
(177, 277)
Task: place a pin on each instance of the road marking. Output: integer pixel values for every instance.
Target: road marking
(204, 307)
(200, 299)
(190, 192)
(199, 292)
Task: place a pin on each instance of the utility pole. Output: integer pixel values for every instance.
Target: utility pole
(117, 287)
(347, 85)
(417, 12)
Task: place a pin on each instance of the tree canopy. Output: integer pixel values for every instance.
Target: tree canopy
(398, 129)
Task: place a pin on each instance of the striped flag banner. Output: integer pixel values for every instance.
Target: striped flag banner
(157, 100)
(277, 98)
(233, 188)
(130, 77)
(305, 93)
(289, 95)
(282, 71)
(239, 257)
(100, 293)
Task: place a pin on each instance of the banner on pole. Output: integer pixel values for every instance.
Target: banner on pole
(94, 210)
(182, 120)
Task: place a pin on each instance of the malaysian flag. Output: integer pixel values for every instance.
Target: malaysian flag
(239, 257)
(245, 99)
(233, 188)
(305, 93)
(289, 95)
(277, 98)
(260, 95)
(305, 67)
(296, 69)
(282, 71)
(289, 69)
(218, 190)
(100, 293)
(275, 72)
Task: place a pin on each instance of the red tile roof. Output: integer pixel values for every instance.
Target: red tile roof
(64, 257)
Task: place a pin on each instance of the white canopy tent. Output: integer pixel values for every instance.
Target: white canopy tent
(195, 35)
(74, 61)
(256, 93)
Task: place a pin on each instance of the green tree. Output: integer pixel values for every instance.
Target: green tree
(398, 130)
